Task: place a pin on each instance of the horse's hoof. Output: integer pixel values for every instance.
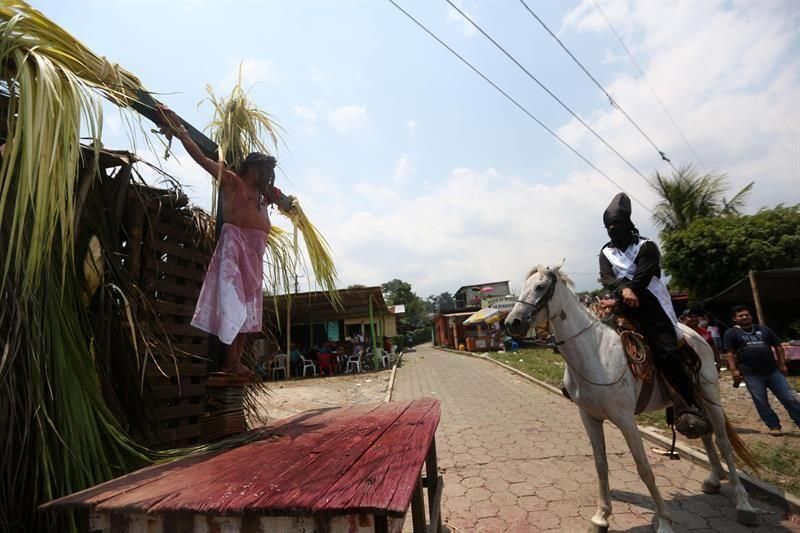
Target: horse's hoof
(594, 528)
(709, 487)
(747, 518)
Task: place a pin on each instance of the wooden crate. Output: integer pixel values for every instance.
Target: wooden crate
(170, 267)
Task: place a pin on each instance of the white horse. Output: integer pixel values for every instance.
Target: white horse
(600, 382)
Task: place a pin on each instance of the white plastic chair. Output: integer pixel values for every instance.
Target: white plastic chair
(308, 363)
(354, 361)
(383, 355)
(393, 354)
(280, 364)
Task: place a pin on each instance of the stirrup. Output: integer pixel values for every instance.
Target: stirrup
(692, 423)
(565, 393)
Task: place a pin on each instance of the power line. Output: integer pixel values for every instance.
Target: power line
(650, 86)
(611, 99)
(547, 90)
(516, 103)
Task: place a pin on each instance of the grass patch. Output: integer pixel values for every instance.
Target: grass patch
(540, 363)
(655, 418)
(780, 465)
(547, 366)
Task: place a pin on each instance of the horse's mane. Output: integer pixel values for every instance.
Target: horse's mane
(560, 274)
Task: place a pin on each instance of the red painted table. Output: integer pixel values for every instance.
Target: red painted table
(344, 469)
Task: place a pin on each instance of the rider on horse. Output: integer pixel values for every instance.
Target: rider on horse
(630, 267)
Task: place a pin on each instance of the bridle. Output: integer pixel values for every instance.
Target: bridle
(544, 302)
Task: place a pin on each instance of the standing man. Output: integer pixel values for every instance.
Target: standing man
(630, 267)
(750, 357)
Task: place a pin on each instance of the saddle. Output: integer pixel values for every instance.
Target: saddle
(689, 421)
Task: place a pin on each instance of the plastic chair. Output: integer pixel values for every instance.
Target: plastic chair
(383, 355)
(354, 361)
(280, 363)
(308, 363)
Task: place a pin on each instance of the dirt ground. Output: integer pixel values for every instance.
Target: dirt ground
(744, 417)
(285, 398)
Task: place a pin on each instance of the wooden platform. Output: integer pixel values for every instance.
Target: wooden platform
(357, 461)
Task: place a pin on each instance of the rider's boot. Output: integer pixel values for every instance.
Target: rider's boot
(689, 418)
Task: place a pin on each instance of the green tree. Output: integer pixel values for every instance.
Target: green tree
(442, 302)
(713, 253)
(397, 292)
(687, 196)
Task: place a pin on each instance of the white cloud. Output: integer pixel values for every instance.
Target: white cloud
(317, 75)
(411, 125)
(403, 168)
(306, 113)
(471, 226)
(348, 118)
(253, 71)
(729, 76)
(454, 17)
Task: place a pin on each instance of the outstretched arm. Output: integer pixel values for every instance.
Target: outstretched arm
(171, 125)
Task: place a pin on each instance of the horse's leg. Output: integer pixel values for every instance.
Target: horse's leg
(594, 428)
(627, 424)
(711, 483)
(745, 513)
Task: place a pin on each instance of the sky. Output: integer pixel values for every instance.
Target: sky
(413, 167)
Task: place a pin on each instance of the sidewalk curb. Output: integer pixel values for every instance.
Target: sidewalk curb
(774, 495)
(390, 388)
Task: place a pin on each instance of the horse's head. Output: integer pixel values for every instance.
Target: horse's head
(536, 295)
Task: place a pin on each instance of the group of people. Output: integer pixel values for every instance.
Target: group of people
(630, 268)
(328, 357)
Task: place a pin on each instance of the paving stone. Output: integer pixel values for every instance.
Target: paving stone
(517, 438)
(472, 482)
(478, 494)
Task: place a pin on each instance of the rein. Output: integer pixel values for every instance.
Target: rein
(544, 302)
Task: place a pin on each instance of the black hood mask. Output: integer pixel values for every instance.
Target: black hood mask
(618, 213)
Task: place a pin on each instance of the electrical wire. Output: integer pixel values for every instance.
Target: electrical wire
(517, 104)
(611, 99)
(548, 91)
(650, 86)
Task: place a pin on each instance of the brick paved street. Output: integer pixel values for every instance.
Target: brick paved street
(515, 458)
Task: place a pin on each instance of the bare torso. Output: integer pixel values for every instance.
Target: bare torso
(242, 206)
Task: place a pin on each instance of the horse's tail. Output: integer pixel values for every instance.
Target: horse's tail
(741, 449)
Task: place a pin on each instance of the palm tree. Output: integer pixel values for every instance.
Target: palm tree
(686, 196)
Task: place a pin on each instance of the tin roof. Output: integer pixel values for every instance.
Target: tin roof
(317, 306)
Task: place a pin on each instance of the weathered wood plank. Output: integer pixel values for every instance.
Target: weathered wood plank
(183, 369)
(163, 392)
(183, 330)
(193, 271)
(309, 458)
(180, 411)
(169, 308)
(178, 228)
(182, 252)
(386, 475)
(300, 469)
(170, 287)
(203, 485)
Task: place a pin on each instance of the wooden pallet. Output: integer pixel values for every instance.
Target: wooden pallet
(169, 268)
